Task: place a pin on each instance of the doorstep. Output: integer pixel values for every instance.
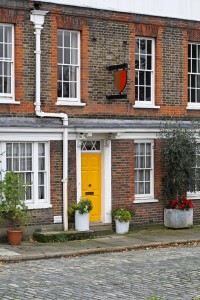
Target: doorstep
(96, 230)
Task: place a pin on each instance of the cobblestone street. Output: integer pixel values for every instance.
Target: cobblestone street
(173, 273)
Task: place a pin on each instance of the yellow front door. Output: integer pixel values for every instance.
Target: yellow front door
(91, 182)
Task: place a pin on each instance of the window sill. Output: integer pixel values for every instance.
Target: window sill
(3, 101)
(195, 196)
(145, 200)
(70, 103)
(193, 106)
(146, 106)
(39, 206)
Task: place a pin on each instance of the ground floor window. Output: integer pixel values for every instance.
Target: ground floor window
(143, 169)
(31, 160)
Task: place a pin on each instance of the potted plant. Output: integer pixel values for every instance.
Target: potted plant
(122, 217)
(178, 150)
(82, 213)
(13, 207)
(179, 213)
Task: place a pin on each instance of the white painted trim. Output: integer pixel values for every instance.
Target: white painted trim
(145, 197)
(181, 9)
(61, 101)
(193, 106)
(38, 206)
(78, 169)
(11, 101)
(145, 105)
(106, 197)
(106, 182)
(193, 196)
(29, 137)
(144, 200)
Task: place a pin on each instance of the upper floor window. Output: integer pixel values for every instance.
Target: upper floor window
(194, 75)
(6, 61)
(68, 66)
(144, 72)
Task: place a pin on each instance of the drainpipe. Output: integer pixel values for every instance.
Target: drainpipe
(37, 17)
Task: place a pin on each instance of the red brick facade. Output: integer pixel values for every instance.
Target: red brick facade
(107, 38)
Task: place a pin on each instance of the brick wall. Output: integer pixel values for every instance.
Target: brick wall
(106, 38)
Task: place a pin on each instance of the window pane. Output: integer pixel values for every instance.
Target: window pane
(41, 192)
(7, 85)
(141, 188)
(142, 62)
(148, 162)
(29, 164)
(74, 40)
(28, 193)
(1, 84)
(1, 51)
(149, 51)
(136, 162)
(66, 89)
(41, 149)
(147, 188)
(1, 34)
(8, 51)
(15, 164)
(141, 78)
(59, 89)
(73, 74)
(66, 39)
(149, 66)
(8, 164)
(198, 96)
(16, 149)
(8, 149)
(41, 164)
(141, 175)
(148, 94)
(189, 65)
(40, 178)
(74, 56)
(137, 42)
(148, 78)
(137, 61)
(66, 56)
(8, 34)
(65, 73)
(142, 161)
(136, 78)
(193, 82)
(194, 51)
(29, 149)
(142, 149)
(72, 90)
(142, 46)
(22, 164)
(194, 66)
(22, 149)
(192, 95)
(7, 69)
(136, 149)
(60, 55)
(141, 93)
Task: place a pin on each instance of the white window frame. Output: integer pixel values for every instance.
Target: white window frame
(193, 105)
(68, 100)
(9, 97)
(151, 103)
(195, 195)
(143, 198)
(34, 203)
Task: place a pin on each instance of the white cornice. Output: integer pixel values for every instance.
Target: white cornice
(181, 9)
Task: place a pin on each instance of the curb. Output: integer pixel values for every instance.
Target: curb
(20, 258)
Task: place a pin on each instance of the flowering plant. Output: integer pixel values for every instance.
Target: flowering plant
(83, 206)
(123, 214)
(181, 203)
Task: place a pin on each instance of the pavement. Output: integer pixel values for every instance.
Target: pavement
(135, 240)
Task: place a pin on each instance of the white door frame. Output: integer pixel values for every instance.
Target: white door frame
(106, 194)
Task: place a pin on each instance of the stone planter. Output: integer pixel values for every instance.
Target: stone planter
(176, 218)
(121, 227)
(81, 221)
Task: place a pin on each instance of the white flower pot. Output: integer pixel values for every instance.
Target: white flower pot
(176, 218)
(81, 221)
(121, 227)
